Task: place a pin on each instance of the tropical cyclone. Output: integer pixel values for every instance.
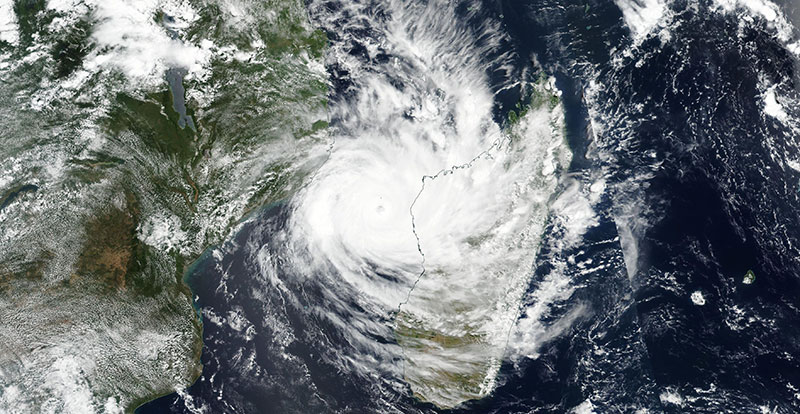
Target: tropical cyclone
(426, 204)
(429, 206)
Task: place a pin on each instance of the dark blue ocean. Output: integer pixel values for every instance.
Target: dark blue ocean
(680, 133)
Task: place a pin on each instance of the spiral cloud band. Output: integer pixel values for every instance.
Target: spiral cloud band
(428, 207)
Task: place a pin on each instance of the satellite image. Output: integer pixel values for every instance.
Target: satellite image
(399, 206)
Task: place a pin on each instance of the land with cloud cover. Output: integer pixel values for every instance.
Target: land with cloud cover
(114, 179)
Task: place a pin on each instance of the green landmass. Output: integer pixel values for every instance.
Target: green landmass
(108, 201)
